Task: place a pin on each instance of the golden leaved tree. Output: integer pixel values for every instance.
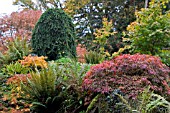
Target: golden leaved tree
(70, 6)
(102, 35)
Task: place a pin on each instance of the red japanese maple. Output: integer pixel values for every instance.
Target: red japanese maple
(129, 73)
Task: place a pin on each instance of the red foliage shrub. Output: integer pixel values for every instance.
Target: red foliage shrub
(18, 24)
(16, 79)
(14, 97)
(81, 51)
(129, 73)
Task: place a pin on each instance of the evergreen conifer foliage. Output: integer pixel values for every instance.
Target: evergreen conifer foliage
(54, 35)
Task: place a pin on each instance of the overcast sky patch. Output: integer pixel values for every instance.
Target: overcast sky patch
(6, 7)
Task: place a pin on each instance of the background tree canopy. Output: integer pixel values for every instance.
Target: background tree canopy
(87, 16)
(38, 4)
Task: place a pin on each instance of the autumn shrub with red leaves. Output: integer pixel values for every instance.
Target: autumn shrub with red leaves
(13, 99)
(81, 51)
(20, 23)
(129, 73)
(18, 78)
(17, 24)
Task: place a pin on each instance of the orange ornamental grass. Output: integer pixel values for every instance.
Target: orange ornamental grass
(34, 61)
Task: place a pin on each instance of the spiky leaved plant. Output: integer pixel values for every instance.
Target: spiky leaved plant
(16, 49)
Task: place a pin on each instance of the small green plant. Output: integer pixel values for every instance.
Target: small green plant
(70, 67)
(158, 104)
(71, 73)
(93, 57)
(45, 89)
(64, 60)
(16, 49)
(147, 102)
(15, 68)
(165, 57)
(40, 85)
(150, 102)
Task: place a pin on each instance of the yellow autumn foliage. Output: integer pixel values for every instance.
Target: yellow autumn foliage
(102, 35)
(34, 61)
(70, 6)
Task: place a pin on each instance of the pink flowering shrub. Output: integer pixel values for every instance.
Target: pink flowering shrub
(129, 73)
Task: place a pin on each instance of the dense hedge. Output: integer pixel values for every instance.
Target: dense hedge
(54, 35)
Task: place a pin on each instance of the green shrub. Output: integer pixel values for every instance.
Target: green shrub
(152, 103)
(93, 57)
(15, 68)
(44, 88)
(54, 35)
(58, 87)
(17, 48)
(150, 32)
(71, 73)
(165, 57)
(71, 70)
(63, 60)
(157, 104)
(40, 85)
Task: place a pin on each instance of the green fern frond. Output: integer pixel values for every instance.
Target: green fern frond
(157, 101)
(41, 84)
(92, 103)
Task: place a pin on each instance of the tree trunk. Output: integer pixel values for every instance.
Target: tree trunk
(146, 3)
